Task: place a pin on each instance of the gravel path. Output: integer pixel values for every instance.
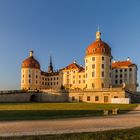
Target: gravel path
(87, 124)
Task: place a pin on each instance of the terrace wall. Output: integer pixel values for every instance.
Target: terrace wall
(33, 97)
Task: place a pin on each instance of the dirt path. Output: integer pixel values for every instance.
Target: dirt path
(91, 124)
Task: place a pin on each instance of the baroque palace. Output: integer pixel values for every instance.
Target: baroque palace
(100, 80)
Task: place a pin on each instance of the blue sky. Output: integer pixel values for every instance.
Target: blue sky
(64, 28)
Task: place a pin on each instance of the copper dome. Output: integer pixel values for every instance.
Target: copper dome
(31, 62)
(98, 47)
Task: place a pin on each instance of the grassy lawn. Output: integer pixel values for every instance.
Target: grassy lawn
(36, 111)
(125, 134)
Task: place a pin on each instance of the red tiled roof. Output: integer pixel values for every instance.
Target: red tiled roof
(98, 47)
(49, 74)
(30, 62)
(74, 66)
(119, 64)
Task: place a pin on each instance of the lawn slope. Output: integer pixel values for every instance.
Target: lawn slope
(40, 111)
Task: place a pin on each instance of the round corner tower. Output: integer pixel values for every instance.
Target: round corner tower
(30, 73)
(98, 64)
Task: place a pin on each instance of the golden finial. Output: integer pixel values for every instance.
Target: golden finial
(98, 34)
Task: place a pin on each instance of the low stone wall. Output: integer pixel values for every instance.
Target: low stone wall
(53, 97)
(15, 97)
(33, 97)
(103, 96)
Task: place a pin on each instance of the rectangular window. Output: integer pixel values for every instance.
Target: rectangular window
(102, 73)
(115, 96)
(93, 74)
(130, 69)
(80, 98)
(88, 98)
(105, 99)
(73, 98)
(96, 98)
(93, 58)
(102, 66)
(79, 81)
(103, 58)
(93, 66)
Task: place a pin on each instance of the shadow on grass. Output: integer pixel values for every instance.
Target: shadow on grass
(49, 114)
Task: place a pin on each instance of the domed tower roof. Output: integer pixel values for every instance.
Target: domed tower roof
(98, 46)
(30, 62)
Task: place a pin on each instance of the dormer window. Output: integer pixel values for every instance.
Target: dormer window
(103, 49)
(94, 50)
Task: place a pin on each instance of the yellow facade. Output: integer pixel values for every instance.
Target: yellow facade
(98, 71)
(96, 96)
